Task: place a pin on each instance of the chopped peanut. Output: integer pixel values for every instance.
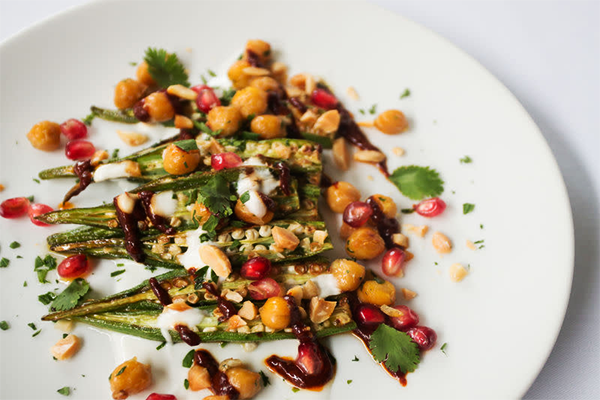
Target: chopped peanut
(327, 122)
(64, 325)
(232, 296)
(132, 168)
(179, 306)
(66, 348)
(216, 260)
(1, 187)
(235, 322)
(298, 80)
(341, 156)
(471, 245)
(391, 311)
(183, 122)
(310, 84)
(284, 238)
(351, 92)
(408, 256)
(310, 290)
(369, 156)
(365, 124)
(255, 71)
(132, 138)
(296, 292)
(441, 243)
(408, 294)
(399, 151)
(320, 236)
(309, 118)
(126, 202)
(457, 272)
(320, 310)
(420, 231)
(182, 92)
(99, 156)
(198, 378)
(248, 311)
(400, 239)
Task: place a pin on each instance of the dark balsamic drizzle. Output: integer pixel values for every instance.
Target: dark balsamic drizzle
(186, 134)
(326, 181)
(284, 177)
(219, 381)
(158, 221)
(140, 112)
(298, 104)
(268, 202)
(275, 103)
(129, 225)
(254, 59)
(85, 173)
(386, 226)
(188, 336)
(225, 306)
(160, 292)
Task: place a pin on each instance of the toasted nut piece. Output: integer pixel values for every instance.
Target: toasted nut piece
(198, 378)
(296, 292)
(365, 124)
(298, 80)
(309, 118)
(66, 348)
(279, 70)
(132, 138)
(399, 151)
(341, 156)
(328, 122)
(310, 290)
(417, 230)
(1, 187)
(441, 243)
(232, 296)
(310, 84)
(285, 238)
(351, 92)
(320, 310)
(99, 156)
(182, 92)
(408, 294)
(129, 378)
(400, 239)
(369, 156)
(216, 260)
(320, 236)
(408, 256)
(64, 325)
(250, 346)
(235, 322)
(126, 202)
(457, 272)
(180, 305)
(254, 71)
(216, 397)
(132, 168)
(183, 122)
(248, 311)
(471, 245)
(391, 311)
(243, 213)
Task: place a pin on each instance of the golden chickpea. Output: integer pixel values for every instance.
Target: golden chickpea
(348, 274)
(227, 119)
(346, 230)
(250, 101)
(275, 313)
(386, 205)
(260, 48)
(129, 378)
(45, 136)
(268, 126)
(391, 122)
(177, 161)
(200, 213)
(242, 212)
(143, 75)
(246, 382)
(377, 293)
(127, 93)
(365, 244)
(265, 83)
(340, 194)
(236, 74)
(159, 107)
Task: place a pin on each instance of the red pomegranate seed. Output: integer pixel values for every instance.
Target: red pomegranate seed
(38, 209)
(207, 99)
(368, 315)
(309, 358)
(430, 207)
(15, 207)
(256, 268)
(264, 289)
(324, 99)
(73, 129)
(423, 336)
(408, 319)
(158, 396)
(393, 261)
(79, 150)
(357, 213)
(225, 160)
(73, 267)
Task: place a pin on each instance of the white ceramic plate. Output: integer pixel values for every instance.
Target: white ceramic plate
(500, 323)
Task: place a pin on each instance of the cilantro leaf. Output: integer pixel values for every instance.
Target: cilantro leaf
(417, 183)
(65, 391)
(245, 197)
(188, 360)
(186, 384)
(15, 245)
(265, 379)
(69, 298)
(443, 348)
(216, 196)
(468, 207)
(4, 325)
(166, 69)
(406, 93)
(4, 262)
(47, 298)
(466, 160)
(394, 348)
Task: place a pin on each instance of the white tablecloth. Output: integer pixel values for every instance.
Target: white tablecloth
(548, 55)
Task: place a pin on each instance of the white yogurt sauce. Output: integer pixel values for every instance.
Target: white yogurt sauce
(260, 180)
(111, 171)
(164, 204)
(171, 318)
(191, 258)
(327, 285)
(255, 204)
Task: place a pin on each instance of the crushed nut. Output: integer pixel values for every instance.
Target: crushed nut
(183, 122)
(341, 156)
(296, 292)
(126, 202)
(235, 322)
(471, 245)
(198, 378)
(408, 256)
(182, 92)
(399, 151)
(391, 311)
(369, 156)
(132, 138)
(248, 311)
(320, 236)
(309, 118)
(320, 310)
(66, 348)
(328, 122)
(98, 156)
(310, 290)
(64, 325)
(234, 297)
(441, 243)
(216, 260)
(310, 84)
(180, 305)
(299, 81)
(408, 294)
(420, 231)
(365, 124)
(1, 187)
(351, 92)
(285, 238)
(457, 272)
(250, 346)
(400, 240)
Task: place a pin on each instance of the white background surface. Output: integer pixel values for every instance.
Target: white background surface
(548, 55)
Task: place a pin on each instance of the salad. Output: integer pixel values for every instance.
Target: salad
(226, 216)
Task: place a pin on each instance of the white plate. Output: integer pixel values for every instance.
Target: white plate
(500, 323)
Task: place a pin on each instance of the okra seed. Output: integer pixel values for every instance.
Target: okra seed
(193, 298)
(180, 283)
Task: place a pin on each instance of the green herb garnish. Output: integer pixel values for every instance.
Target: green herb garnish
(65, 391)
(14, 245)
(468, 207)
(404, 94)
(466, 160)
(188, 360)
(165, 69)
(71, 296)
(4, 325)
(395, 349)
(417, 183)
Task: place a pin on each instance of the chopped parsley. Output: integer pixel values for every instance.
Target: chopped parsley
(44, 265)
(133, 63)
(165, 68)
(373, 109)
(121, 370)
(32, 326)
(186, 384)
(355, 359)
(349, 381)
(417, 183)
(30, 198)
(404, 94)
(188, 360)
(36, 333)
(211, 73)
(245, 197)
(4, 325)
(265, 379)
(295, 390)
(14, 245)
(204, 128)
(71, 296)
(407, 210)
(4, 262)
(480, 226)
(65, 391)
(115, 153)
(468, 207)
(36, 180)
(394, 348)
(46, 298)
(160, 346)
(116, 273)
(466, 160)
(361, 111)
(24, 283)
(443, 348)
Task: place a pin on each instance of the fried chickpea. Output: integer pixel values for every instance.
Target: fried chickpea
(159, 107)
(177, 161)
(346, 230)
(377, 293)
(242, 212)
(386, 205)
(391, 122)
(348, 274)
(236, 74)
(45, 136)
(267, 126)
(265, 83)
(340, 194)
(259, 47)
(226, 118)
(250, 101)
(127, 93)
(365, 244)
(129, 378)
(275, 313)
(246, 382)
(143, 75)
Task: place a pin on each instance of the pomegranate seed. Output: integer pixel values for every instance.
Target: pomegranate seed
(73, 129)
(225, 160)
(38, 209)
(256, 268)
(324, 99)
(14, 208)
(309, 358)
(73, 267)
(368, 315)
(393, 261)
(408, 319)
(264, 289)
(79, 150)
(158, 396)
(207, 99)
(423, 336)
(357, 213)
(430, 207)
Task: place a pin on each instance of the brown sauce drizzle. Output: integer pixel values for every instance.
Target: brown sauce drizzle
(158, 221)
(186, 134)
(284, 177)
(313, 367)
(254, 59)
(140, 112)
(275, 103)
(160, 292)
(298, 104)
(225, 306)
(129, 225)
(188, 336)
(219, 382)
(326, 181)
(268, 202)
(386, 226)
(85, 173)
